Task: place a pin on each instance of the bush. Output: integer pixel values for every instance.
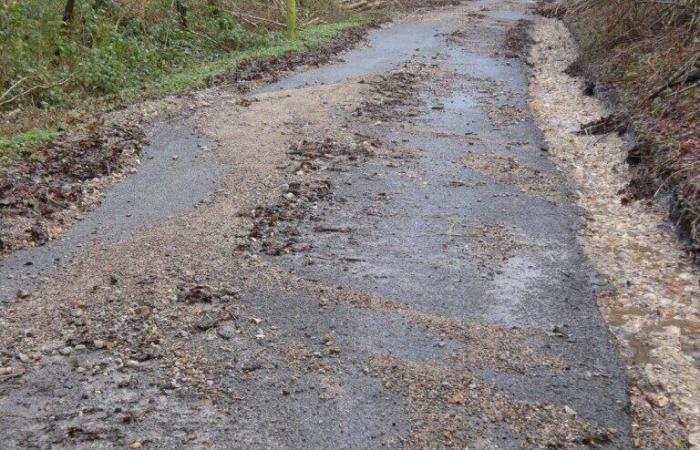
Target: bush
(107, 47)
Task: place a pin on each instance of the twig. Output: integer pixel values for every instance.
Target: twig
(310, 22)
(671, 81)
(205, 37)
(7, 92)
(32, 89)
(243, 16)
(685, 89)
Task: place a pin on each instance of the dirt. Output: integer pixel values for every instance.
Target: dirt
(444, 402)
(509, 170)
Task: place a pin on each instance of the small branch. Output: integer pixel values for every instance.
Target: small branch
(248, 17)
(673, 79)
(7, 92)
(205, 36)
(32, 89)
(685, 89)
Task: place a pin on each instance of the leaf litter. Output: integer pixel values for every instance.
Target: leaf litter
(652, 307)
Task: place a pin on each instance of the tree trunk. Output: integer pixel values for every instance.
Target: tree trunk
(181, 7)
(68, 12)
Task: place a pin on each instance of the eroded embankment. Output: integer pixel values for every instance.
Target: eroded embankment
(652, 306)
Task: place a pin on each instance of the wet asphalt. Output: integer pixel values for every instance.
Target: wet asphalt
(416, 247)
(421, 235)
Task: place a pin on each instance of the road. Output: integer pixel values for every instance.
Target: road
(376, 253)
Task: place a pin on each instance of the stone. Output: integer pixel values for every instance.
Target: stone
(226, 331)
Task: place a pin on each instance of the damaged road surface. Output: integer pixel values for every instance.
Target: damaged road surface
(382, 256)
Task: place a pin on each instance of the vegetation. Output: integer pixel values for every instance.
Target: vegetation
(59, 56)
(647, 56)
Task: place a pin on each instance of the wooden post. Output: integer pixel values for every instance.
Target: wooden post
(291, 19)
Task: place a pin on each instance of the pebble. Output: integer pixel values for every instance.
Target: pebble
(22, 357)
(226, 331)
(65, 351)
(569, 410)
(99, 343)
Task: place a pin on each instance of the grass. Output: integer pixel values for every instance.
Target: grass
(119, 52)
(11, 148)
(197, 75)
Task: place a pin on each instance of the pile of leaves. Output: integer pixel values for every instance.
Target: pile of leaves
(273, 68)
(54, 177)
(517, 39)
(275, 227)
(394, 96)
(645, 58)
